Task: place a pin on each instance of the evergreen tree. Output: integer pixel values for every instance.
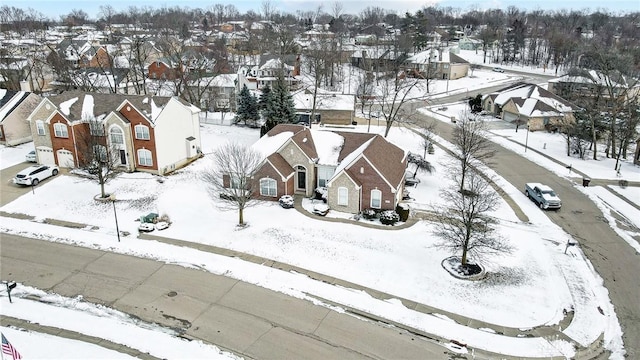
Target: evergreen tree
(247, 112)
(242, 113)
(284, 108)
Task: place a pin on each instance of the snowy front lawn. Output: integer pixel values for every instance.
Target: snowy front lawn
(524, 289)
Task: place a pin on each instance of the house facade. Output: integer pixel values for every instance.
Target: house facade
(357, 171)
(15, 106)
(139, 132)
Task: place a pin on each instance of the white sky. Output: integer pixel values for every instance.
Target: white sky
(405, 262)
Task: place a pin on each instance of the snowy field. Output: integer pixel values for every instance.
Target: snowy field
(401, 262)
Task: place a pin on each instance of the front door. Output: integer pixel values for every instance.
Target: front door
(301, 173)
(123, 157)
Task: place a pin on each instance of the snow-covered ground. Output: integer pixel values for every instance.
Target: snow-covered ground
(540, 146)
(401, 262)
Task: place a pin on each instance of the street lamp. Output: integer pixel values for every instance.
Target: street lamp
(115, 214)
(526, 139)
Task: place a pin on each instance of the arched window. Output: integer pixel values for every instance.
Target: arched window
(376, 199)
(268, 187)
(142, 132)
(60, 130)
(145, 158)
(343, 196)
(116, 136)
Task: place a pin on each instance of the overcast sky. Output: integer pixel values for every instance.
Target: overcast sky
(55, 8)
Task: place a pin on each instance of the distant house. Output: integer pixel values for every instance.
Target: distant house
(529, 104)
(219, 92)
(358, 170)
(267, 73)
(331, 109)
(436, 64)
(15, 106)
(164, 69)
(467, 43)
(144, 133)
(595, 85)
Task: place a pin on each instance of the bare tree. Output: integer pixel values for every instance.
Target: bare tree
(472, 146)
(464, 222)
(96, 154)
(230, 177)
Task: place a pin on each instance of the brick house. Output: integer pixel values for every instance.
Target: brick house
(358, 170)
(140, 132)
(164, 69)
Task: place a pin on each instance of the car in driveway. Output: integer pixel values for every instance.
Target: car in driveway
(34, 174)
(498, 69)
(31, 156)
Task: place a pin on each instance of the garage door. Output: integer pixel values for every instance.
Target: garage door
(65, 159)
(45, 155)
(509, 117)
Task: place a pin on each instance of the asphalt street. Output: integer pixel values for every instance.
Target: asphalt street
(245, 319)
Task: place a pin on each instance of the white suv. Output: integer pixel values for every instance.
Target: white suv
(34, 174)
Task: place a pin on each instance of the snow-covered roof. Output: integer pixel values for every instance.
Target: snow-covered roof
(268, 145)
(224, 80)
(328, 146)
(534, 92)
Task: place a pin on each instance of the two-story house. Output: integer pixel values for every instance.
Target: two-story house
(358, 170)
(140, 132)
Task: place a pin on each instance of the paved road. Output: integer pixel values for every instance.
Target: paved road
(245, 319)
(615, 260)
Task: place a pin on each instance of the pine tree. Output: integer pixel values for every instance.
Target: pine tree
(242, 114)
(285, 109)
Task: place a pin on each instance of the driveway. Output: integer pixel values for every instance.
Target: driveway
(8, 190)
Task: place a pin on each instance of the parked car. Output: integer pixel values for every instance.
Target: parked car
(286, 201)
(498, 69)
(34, 174)
(161, 225)
(321, 209)
(31, 156)
(146, 227)
(543, 196)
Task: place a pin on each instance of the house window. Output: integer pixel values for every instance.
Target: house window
(96, 128)
(545, 120)
(343, 196)
(267, 187)
(40, 127)
(60, 130)
(235, 181)
(145, 158)
(116, 136)
(100, 153)
(142, 132)
(376, 199)
(324, 174)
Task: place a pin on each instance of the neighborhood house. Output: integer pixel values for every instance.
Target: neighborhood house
(356, 171)
(141, 132)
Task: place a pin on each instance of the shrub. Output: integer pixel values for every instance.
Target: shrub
(369, 214)
(389, 217)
